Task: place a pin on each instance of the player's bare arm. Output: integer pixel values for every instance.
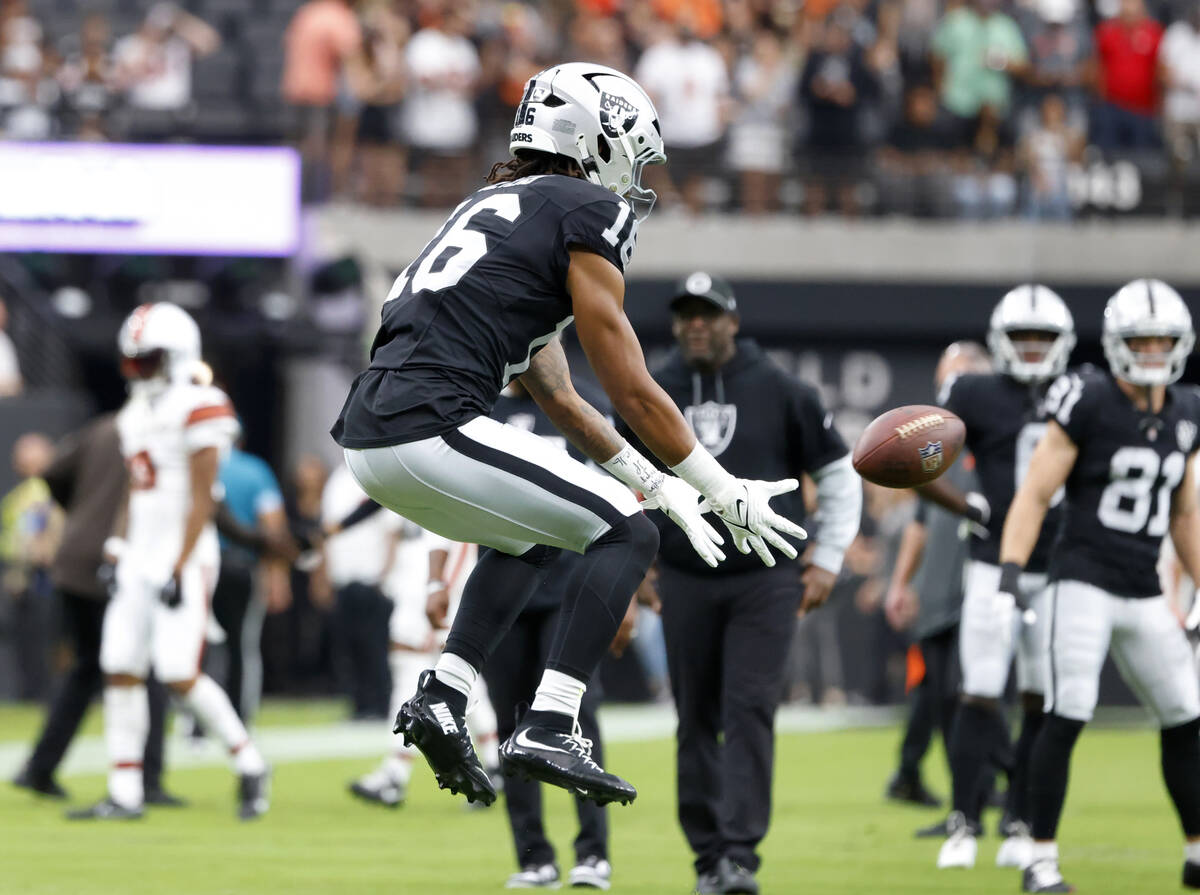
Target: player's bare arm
(437, 601)
(1185, 523)
(1052, 461)
(598, 297)
(203, 465)
(900, 605)
(548, 381)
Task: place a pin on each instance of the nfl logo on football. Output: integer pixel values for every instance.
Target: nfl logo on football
(931, 456)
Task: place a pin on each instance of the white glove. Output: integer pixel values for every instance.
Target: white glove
(681, 502)
(746, 512)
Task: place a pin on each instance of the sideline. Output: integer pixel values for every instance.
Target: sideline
(363, 739)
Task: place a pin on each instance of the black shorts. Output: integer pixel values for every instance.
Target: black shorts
(376, 125)
(683, 164)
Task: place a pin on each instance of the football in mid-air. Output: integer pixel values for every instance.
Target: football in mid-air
(909, 446)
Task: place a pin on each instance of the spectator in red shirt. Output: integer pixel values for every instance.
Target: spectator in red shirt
(1127, 79)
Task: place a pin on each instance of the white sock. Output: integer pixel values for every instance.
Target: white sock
(1191, 852)
(560, 693)
(397, 767)
(126, 722)
(211, 705)
(456, 672)
(1045, 851)
(402, 688)
(481, 722)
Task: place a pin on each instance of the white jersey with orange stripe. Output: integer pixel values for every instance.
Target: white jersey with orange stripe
(160, 430)
(408, 585)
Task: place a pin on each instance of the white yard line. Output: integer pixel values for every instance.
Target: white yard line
(361, 739)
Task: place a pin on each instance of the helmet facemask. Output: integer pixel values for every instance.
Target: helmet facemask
(1144, 309)
(1031, 355)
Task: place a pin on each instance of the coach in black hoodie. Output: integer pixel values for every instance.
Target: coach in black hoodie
(728, 629)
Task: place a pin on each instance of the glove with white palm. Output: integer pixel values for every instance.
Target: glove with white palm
(682, 504)
(743, 505)
(747, 514)
(675, 497)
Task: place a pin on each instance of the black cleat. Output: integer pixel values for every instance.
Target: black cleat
(942, 829)
(160, 798)
(254, 795)
(1191, 875)
(1043, 876)
(43, 786)
(911, 791)
(106, 809)
(736, 879)
(709, 883)
(562, 759)
(433, 727)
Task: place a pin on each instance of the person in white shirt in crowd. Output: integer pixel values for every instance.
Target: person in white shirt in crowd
(10, 369)
(1179, 66)
(764, 81)
(439, 119)
(425, 582)
(688, 81)
(153, 66)
(358, 560)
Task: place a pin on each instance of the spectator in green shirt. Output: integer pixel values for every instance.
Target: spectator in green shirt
(977, 49)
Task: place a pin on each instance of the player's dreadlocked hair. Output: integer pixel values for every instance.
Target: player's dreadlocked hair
(531, 162)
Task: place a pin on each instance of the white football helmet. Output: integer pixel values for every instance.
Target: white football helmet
(159, 342)
(598, 117)
(1031, 308)
(1147, 308)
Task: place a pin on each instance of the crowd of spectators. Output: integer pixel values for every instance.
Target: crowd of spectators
(973, 108)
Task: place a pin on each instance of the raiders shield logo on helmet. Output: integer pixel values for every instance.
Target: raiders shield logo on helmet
(617, 115)
(713, 424)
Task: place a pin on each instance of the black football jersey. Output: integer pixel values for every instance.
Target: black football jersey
(1005, 420)
(477, 303)
(1119, 492)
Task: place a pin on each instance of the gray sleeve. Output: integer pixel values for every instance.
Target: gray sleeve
(839, 511)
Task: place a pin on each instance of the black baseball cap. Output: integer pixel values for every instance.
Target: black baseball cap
(707, 287)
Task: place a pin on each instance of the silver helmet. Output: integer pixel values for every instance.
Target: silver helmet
(1147, 308)
(1031, 308)
(600, 118)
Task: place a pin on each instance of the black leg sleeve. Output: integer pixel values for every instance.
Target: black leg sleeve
(499, 588)
(599, 589)
(1181, 772)
(1049, 768)
(512, 676)
(1018, 782)
(980, 737)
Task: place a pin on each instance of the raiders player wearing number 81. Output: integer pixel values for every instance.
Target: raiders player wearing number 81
(1031, 335)
(1120, 441)
(545, 244)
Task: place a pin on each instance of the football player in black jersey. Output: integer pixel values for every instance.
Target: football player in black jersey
(1030, 335)
(1120, 441)
(544, 244)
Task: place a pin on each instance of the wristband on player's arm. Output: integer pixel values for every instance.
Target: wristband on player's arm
(701, 470)
(1010, 583)
(630, 467)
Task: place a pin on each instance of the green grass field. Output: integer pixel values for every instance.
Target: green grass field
(832, 833)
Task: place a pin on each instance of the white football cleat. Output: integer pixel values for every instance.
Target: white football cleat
(1017, 848)
(960, 847)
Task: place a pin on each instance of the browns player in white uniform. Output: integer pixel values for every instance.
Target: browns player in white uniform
(426, 581)
(173, 432)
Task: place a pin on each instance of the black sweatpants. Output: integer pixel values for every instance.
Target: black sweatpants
(512, 675)
(933, 701)
(727, 642)
(361, 653)
(83, 620)
(242, 624)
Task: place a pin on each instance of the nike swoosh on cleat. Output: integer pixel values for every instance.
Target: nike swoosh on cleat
(523, 741)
